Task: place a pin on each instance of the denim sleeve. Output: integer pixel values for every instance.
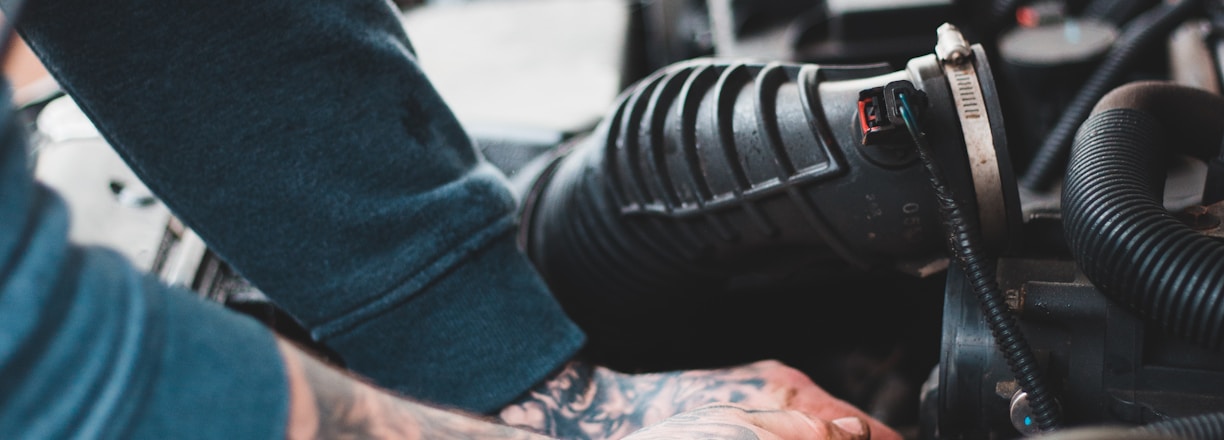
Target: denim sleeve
(90, 348)
(300, 139)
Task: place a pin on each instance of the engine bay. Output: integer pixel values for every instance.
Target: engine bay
(972, 219)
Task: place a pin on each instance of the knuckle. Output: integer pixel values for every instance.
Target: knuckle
(719, 409)
(770, 364)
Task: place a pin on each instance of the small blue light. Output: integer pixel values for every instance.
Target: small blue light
(1071, 31)
(1028, 421)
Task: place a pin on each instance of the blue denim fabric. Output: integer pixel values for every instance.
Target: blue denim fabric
(302, 142)
(89, 348)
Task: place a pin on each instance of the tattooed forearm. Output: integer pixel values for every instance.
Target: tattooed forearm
(587, 402)
(326, 404)
(579, 402)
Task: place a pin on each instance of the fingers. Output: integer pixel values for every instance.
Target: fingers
(798, 392)
(798, 426)
(854, 427)
(728, 422)
(830, 408)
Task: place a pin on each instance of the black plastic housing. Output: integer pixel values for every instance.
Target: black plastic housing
(714, 177)
(1105, 362)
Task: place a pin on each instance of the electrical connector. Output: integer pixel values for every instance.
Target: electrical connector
(880, 115)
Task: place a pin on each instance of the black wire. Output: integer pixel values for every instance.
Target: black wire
(1140, 34)
(964, 240)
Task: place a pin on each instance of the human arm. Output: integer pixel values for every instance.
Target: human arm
(327, 404)
(90, 348)
(302, 141)
(584, 401)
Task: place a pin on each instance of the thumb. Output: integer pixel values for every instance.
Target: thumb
(849, 428)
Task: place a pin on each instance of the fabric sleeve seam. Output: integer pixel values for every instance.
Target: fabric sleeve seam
(406, 290)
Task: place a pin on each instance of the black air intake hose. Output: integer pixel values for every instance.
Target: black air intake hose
(1140, 34)
(1120, 234)
(717, 178)
(1200, 427)
(714, 174)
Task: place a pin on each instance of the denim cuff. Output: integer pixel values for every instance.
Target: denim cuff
(485, 343)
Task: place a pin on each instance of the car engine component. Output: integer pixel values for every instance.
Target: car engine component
(783, 209)
(1106, 364)
(709, 175)
(707, 171)
(1142, 32)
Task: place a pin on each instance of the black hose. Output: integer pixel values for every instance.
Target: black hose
(1114, 11)
(1124, 240)
(1137, 36)
(712, 176)
(719, 179)
(1200, 427)
(965, 241)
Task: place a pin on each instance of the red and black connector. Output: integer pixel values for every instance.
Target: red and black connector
(879, 112)
(882, 134)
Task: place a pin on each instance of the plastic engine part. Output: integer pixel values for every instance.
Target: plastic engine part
(712, 177)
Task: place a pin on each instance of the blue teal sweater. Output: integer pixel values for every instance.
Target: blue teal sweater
(302, 141)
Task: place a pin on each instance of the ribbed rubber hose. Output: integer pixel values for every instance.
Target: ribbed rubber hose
(1201, 427)
(1137, 36)
(1113, 11)
(966, 243)
(1124, 240)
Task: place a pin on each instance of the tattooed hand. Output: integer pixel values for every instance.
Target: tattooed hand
(726, 422)
(326, 404)
(588, 402)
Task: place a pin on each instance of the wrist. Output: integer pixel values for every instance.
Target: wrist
(325, 403)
